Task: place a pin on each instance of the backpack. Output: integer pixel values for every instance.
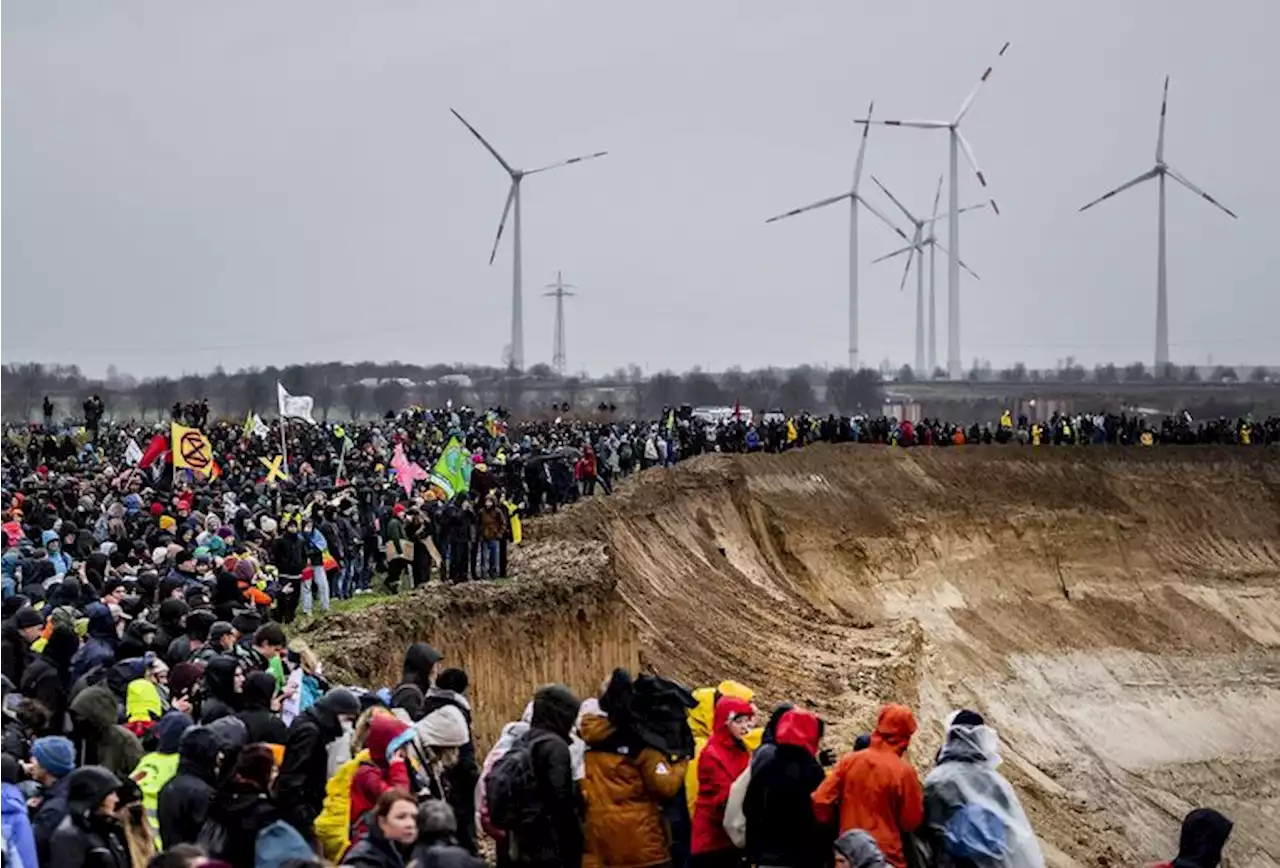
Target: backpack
(975, 832)
(511, 788)
(212, 838)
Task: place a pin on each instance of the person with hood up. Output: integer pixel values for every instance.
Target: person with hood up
(262, 723)
(102, 741)
(16, 635)
(778, 806)
(333, 826)
(306, 760)
(160, 766)
(437, 845)
(392, 825)
(53, 759)
(857, 849)
(555, 841)
(170, 624)
(971, 814)
(15, 823)
(223, 689)
(242, 808)
(99, 648)
(625, 785)
(147, 698)
(183, 803)
(1204, 835)
(382, 772)
(420, 661)
(701, 724)
(723, 759)
(60, 560)
(48, 678)
(90, 835)
(876, 789)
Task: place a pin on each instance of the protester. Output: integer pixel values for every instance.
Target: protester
(300, 785)
(101, 741)
(380, 773)
(876, 789)
(1204, 836)
(242, 808)
(723, 759)
(781, 827)
(625, 784)
(392, 825)
(160, 766)
(857, 849)
(420, 660)
(965, 797)
(182, 804)
(15, 823)
(90, 835)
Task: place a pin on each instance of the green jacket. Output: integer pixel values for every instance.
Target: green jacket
(117, 749)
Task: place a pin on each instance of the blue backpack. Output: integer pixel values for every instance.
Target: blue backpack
(975, 832)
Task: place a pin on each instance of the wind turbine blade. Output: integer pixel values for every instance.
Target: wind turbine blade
(915, 243)
(506, 209)
(1201, 193)
(488, 146)
(894, 199)
(1164, 110)
(901, 250)
(946, 216)
(1145, 176)
(920, 125)
(820, 204)
(960, 261)
(937, 197)
(968, 101)
(862, 148)
(973, 161)
(568, 162)
(883, 219)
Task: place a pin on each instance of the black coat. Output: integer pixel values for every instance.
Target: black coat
(15, 651)
(92, 842)
(781, 829)
(262, 723)
(48, 816)
(461, 778)
(304, 772)
(243, 812)
(556, 839)
(44, 683)
(289, 554)
(183, 803)
(375, 850)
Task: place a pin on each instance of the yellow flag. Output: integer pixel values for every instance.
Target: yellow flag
(190, 448)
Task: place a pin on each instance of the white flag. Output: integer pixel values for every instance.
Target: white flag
(294, 406)
(260, 428)
(133, 452)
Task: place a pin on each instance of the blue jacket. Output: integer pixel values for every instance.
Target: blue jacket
(18, 838)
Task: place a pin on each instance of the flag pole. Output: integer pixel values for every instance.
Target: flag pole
(284, 449)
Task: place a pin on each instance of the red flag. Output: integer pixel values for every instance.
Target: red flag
(737, 409)
(159, 446)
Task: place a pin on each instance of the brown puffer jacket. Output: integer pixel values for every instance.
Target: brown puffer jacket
(623, 795)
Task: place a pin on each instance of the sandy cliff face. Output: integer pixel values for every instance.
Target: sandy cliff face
(1114, 613)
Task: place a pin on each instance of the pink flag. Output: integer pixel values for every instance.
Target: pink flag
(407, 472)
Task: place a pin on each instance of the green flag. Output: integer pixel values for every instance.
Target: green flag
(452, 472)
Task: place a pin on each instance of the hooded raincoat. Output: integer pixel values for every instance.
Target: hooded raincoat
(965, 780)
(876, 789)
(722, 760)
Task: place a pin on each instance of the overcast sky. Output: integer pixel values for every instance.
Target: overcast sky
(245, 183)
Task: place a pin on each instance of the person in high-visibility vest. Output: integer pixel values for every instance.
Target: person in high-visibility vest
(155, 769)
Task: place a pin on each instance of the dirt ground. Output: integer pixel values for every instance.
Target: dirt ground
(1115, 614)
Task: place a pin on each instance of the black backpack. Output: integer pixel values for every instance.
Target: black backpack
(511, 788)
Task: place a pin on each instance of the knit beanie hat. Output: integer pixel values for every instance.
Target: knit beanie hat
(55, 754)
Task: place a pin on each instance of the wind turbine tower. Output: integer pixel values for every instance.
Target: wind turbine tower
(513, 197)
(854, 198)
(915, 250)
(559, 291)
(1159, 172)
(957, 143)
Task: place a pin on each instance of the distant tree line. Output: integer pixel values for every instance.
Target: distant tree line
(364, 389)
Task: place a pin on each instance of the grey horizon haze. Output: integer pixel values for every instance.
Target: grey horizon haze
(245, 184)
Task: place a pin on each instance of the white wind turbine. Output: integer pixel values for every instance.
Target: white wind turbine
(915, 250)
(1159, 171)
(934, 245)
(958, 143)
(513, 196)
(854, 198)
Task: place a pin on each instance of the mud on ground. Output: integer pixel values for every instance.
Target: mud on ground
(1114, 613)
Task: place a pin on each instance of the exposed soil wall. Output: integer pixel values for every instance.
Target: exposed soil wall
(1114, 613)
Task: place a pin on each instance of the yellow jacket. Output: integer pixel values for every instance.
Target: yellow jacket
(142, 701)
(333, 826)
(700, 723)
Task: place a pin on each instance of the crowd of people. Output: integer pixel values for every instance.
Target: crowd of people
(156, 710)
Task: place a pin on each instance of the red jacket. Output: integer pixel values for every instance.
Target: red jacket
(374, 778)
(722, 760)
(876, 789)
